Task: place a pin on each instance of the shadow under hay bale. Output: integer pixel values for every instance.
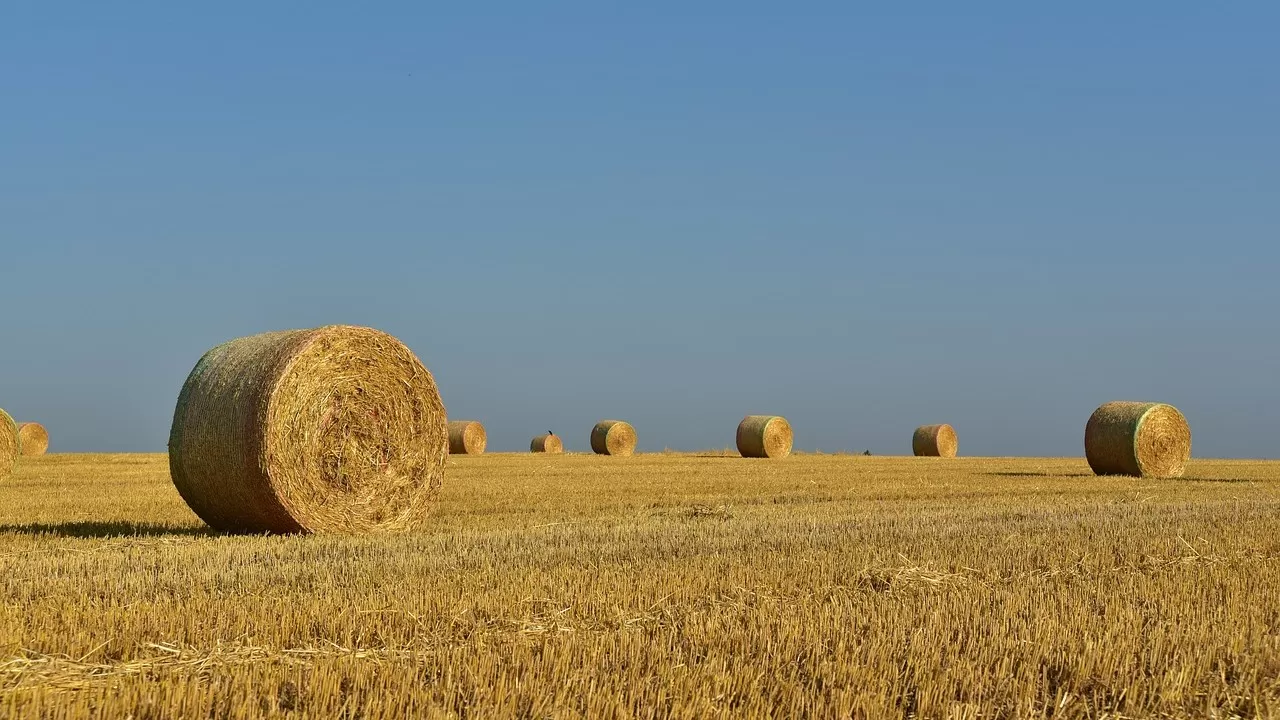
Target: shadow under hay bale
(1141, 439)
(336, 429)
(108, 529)
(467, 437)
(613, 437)
(934, 441)
(764, 436)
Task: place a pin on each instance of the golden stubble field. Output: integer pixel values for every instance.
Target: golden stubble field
(660, 585)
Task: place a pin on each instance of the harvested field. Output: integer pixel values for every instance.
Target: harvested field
(670, 585)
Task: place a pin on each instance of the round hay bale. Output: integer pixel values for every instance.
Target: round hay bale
(33, 439)
(934, 441)
(10, 446)
(467, 437)
(764, 436)
(547, 443)
(1137, 438)
(613, 437)
(335, 429)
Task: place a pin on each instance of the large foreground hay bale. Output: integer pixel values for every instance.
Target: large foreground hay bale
(935, 441)
(547, 443)
(1137, 438)
(613, 437)
(467, 437)
(33, 439)
(337, 429)
(10, 446)
(764, 436)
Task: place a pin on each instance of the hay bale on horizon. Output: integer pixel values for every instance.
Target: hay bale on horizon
(1141, 439)
(10, 446)
(549, 443)
(467, 437)
(935, 441)
(333, 429)
(33, 439)
(764, 436)
(613, 437)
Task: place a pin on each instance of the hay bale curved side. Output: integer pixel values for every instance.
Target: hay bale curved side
(1141, 439)
(764, 436)
(10, 446)
(335, 429)
(547, 443)
(613, 437)
(935, 441)
(33, 439)
(467, 437)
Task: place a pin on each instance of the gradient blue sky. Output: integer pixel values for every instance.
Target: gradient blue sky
(997, 215)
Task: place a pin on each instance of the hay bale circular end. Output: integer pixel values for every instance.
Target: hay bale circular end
(335, 429)
(764, 436)
(547, 443)
(1141, 439)
(10, 446)
(467, 437)
(613, 437)
(33, 439)
(935, 441)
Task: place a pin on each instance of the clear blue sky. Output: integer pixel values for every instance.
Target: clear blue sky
(997, 215)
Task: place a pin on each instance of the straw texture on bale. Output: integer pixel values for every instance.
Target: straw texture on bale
(10, 446)
(613, 437)
(764, 436)
(335, 429)
(1137, 438)
(935, 441)
(547, 443)
(467, 437)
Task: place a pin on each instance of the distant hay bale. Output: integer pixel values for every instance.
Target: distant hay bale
(33, 439)
(1137, 438)
(10, 445)
(613, 437)
(935, 441)
(547, 443)
(467, 437)
(764, 436)
(335, 429)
